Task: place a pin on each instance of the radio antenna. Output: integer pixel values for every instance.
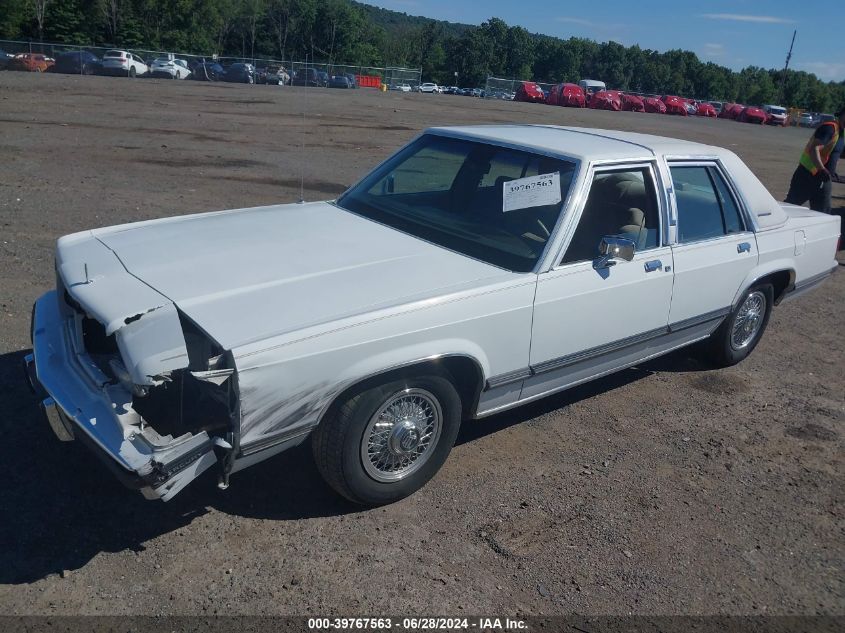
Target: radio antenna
(302, 140)
(786, 66)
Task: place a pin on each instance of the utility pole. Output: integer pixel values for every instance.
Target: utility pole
(786, 66)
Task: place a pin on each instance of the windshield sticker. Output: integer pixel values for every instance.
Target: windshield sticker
(534, 191)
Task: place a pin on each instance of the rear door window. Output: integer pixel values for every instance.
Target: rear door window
(706, 208)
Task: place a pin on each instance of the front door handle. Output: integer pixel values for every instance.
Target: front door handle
(652, 265)
(743, 247)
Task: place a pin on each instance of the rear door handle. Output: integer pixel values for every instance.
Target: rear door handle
(743, 247)
(652, 265)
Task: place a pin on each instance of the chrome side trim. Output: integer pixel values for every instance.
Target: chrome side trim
(508, 378)
(675, 341)
(268, 442)
(601, 350)
(698, 320)
(798, 289)
(576, 369)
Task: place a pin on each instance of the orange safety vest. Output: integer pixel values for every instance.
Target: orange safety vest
(825, 151)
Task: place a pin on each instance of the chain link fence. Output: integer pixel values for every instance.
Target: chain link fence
(81, 59)
(402, 78)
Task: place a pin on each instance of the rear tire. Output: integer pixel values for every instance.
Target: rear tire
(131, 72)
(743, 328)
(385, 442)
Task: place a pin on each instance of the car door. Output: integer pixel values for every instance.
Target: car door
(714, 250)
(591, 320)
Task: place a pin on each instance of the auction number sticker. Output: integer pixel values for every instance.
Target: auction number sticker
(534, 191)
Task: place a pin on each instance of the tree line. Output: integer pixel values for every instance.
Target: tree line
(343, 31)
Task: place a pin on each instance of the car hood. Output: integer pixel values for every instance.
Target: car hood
(249, 274)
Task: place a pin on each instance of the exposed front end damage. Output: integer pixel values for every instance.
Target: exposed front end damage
(144, 387)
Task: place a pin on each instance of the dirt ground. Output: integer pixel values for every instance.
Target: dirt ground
(671, 488)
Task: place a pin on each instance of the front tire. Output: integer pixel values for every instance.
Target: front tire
(740, 332)
(385, 442)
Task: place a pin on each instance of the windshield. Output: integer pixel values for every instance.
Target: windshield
(775, 110)
(496, 204)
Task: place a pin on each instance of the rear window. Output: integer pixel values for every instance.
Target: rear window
(113, 54)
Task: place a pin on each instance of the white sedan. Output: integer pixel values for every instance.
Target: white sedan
(170, 68)
(478, 269)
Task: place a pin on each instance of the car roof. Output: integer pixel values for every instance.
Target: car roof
(589, 145)
(584, 144)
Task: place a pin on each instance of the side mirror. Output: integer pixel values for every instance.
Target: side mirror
(612, 248)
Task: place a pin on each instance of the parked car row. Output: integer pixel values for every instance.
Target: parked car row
(127, 64)
(598, 98)
(432, 88)
(813, 119)
(768, 114)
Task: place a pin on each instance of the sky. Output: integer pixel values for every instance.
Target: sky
(735, 34)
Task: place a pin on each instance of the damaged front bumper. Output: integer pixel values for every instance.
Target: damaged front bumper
(81, 404)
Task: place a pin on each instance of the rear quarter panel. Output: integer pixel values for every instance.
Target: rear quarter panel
(805, 245)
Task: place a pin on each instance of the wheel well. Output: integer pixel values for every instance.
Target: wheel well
(465, 373)
(780, 280)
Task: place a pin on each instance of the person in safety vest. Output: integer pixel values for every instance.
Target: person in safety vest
(834, 158)
(811, 180)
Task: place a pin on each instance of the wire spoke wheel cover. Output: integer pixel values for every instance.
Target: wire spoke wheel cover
(748, 320)
(400, 437)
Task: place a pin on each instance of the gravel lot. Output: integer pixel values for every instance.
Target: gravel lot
(670, 488)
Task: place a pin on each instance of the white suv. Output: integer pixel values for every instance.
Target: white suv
(123, 63)
(428, 87)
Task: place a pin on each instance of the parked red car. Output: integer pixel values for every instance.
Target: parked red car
(731, 111)
(606, 100)
(675, 105)
(753, 115)
(632, 103)
(654, 105)
(570, 95)
(705, 109)
(31, 62)
(530, 92)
